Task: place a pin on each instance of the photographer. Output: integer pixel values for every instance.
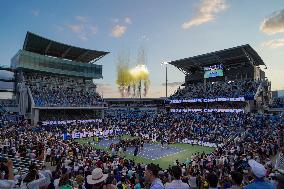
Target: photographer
(7, 167)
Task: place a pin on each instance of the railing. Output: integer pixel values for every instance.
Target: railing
(31, 96)
(99, 106)
(260, 88)
(7, 68)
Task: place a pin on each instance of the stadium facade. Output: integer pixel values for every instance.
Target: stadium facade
(237, 63)
(54, 84)
(44, 64)
(229, 65)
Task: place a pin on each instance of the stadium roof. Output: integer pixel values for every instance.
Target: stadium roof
(228, 57)
(37, 44)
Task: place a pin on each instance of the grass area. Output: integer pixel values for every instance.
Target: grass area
(164, 163)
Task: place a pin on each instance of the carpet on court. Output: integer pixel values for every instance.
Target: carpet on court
(150, 151)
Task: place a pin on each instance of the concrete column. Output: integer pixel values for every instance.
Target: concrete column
(36, 116)
(102, 113)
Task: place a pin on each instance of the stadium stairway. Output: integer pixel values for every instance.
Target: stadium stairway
(260, 89)
(22, 163)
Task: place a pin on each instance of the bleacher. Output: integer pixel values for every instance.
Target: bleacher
(5, 115)
(220, 89)
(61, 91)
(21, 163)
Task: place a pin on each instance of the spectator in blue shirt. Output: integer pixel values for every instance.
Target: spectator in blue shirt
(137, 183)
(151, 177)
(258, 171)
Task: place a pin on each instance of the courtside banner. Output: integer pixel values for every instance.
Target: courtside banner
(96, 133)
(64, 122)
(239, 99)
(207, 110)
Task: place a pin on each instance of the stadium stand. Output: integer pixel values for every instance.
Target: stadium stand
(49, 155)
(60, 91)
(239, 138)
(231, 89)
(51, 75)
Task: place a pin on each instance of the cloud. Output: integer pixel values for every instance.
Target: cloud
(106, 87)
(93, 29)
(275, 43)
(173, 84)
(118, 30)
(115, 20)
(206, 12)
(273, 24)
(143, 38)
(155, 91)
(81, 18)
(107, 90)
(84, 29)
(60, 28)
(76, 28)
(35, 12)
(83, 37)
(127, 20)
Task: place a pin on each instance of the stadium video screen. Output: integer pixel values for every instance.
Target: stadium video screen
(213, 71)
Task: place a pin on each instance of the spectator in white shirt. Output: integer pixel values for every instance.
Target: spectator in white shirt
(48, 176)
(192, 181)
(176, 172)
(48, 154)
(33, 179)
(279, 165)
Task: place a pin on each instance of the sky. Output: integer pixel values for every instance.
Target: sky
(166, 29)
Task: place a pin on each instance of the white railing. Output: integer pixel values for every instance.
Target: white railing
(259, 90)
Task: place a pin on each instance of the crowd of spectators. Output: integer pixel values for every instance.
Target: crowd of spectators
(8, 103)
(277, 103)
(219, 89)
(6, 116)
(68, 114)
(9, 117)
(209, 105)
(246, 143)
(53, 90)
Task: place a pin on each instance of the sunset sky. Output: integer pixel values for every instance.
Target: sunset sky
(166, 29)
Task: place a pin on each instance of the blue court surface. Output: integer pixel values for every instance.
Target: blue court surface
(150, 151)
